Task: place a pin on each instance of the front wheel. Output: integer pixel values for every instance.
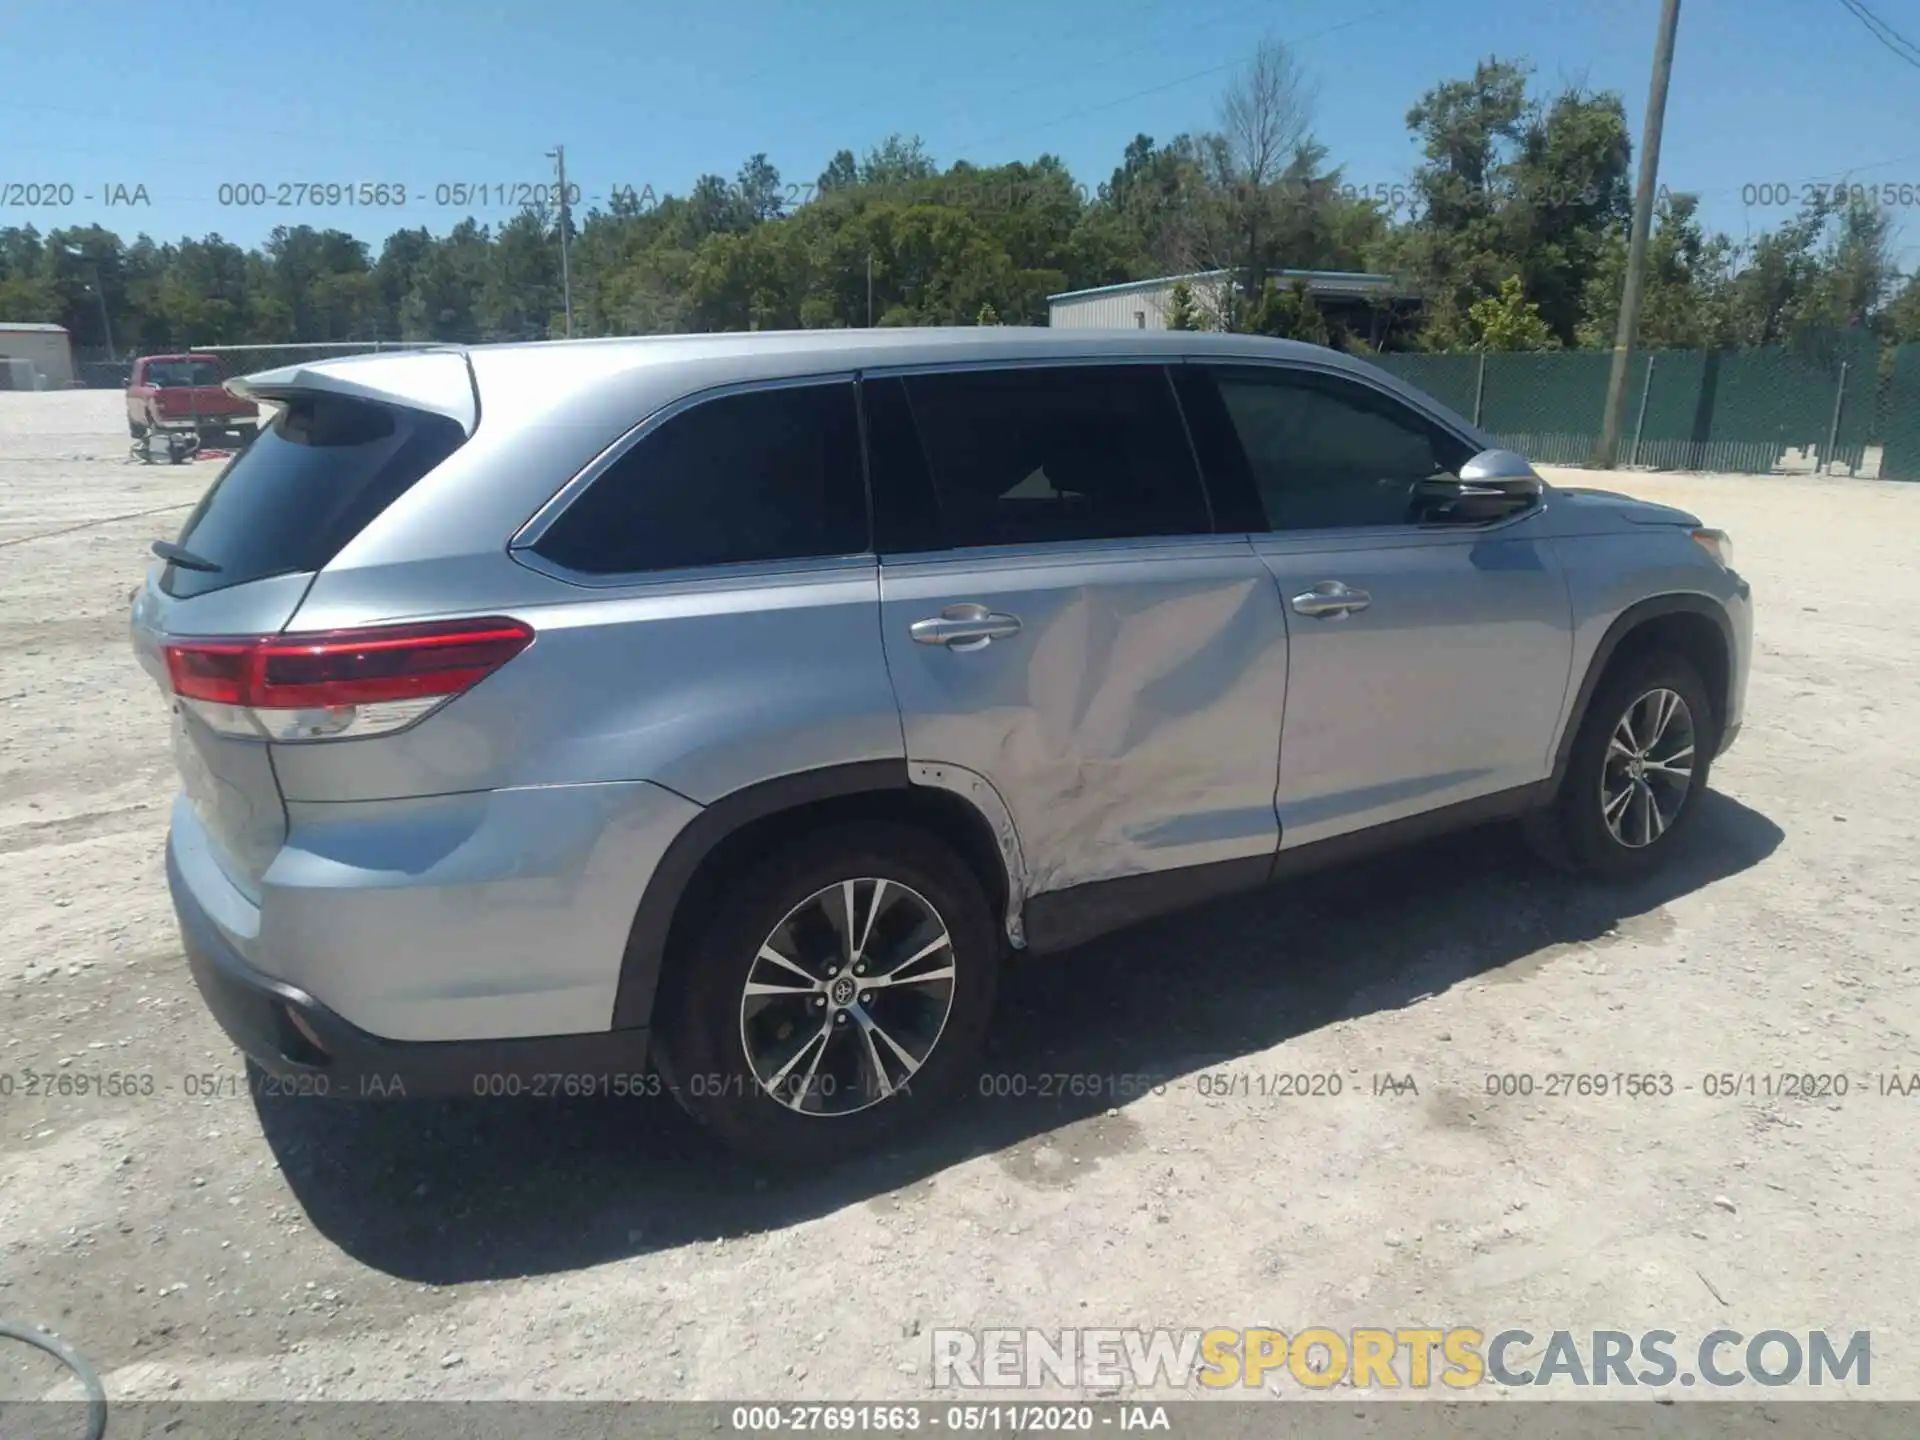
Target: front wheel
(1638, 766)
(841, 996)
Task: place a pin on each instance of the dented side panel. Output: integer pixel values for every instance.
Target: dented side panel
(1132, 724)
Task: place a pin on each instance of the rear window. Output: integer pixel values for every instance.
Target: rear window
(310, 481)
(172, 374)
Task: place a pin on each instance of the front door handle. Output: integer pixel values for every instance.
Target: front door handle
(1331, 600)
(965, 627)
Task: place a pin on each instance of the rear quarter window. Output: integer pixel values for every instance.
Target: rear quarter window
(314, 478)
(764, 475)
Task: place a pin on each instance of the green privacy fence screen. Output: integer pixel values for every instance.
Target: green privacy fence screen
(1846, 404)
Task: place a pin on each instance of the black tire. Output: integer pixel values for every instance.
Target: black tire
(1573, 833)
(701, 1019)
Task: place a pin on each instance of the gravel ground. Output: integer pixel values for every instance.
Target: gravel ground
(197, 1243)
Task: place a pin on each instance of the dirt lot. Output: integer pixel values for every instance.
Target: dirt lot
(201, 1244)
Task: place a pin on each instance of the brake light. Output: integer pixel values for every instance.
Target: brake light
(338, 684)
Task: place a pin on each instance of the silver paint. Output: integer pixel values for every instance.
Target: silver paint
(1160, 704)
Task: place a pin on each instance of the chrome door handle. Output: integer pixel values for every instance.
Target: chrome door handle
(1331, 600)
(965, 627)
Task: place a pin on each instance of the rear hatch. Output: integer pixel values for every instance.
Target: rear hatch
(328, 460)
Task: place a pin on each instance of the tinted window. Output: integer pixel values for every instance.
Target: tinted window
(906, 516)
(1076, 453)
(765, 475)
(1326, 452)
(1216, 445)
(309, 482)
(168, 374)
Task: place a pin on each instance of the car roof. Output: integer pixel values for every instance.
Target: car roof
(581, 381)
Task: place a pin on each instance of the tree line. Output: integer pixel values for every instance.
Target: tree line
(1513, 228)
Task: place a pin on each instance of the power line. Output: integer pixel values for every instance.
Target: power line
(1188, 78)
(1883, 32)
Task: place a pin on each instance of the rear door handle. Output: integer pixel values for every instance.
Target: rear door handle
(1331, 600)
(965, 627)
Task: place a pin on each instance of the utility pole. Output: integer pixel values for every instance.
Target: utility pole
(559, 154)
(99, 289)
(106, 325)
(1643, 194)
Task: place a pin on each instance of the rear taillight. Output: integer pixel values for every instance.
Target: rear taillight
(338, 684)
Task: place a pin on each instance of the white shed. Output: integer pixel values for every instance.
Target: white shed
(1142, 304)
(48, 348)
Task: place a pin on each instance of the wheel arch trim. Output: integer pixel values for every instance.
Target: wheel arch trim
(1654, 607)
(643, 961)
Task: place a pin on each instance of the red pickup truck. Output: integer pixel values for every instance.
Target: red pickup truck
(183, 394)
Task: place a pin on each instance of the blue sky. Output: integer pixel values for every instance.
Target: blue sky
(181, 98)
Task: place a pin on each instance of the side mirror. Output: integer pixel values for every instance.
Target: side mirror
(1493, 485)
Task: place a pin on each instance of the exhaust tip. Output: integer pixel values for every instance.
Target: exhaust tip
(306, 1047)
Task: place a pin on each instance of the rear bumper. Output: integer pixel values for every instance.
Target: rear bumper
(295, 1038)
(206, 424)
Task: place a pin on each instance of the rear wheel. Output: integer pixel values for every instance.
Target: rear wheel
(1638, 765)
(842, 995)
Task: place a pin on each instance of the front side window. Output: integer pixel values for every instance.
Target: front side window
(1327, 453)
(763, 475)
(1029, 455)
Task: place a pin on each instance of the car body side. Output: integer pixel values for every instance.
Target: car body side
(569, 810)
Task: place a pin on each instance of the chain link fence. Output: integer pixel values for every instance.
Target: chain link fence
(1846, 405)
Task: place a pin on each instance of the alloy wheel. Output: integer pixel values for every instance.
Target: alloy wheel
(1648, 773)
(847, 997)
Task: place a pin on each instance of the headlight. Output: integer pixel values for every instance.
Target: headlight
(1717, 544)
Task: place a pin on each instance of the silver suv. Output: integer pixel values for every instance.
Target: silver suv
(715, 713)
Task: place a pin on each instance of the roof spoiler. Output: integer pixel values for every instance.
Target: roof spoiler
(435, 378)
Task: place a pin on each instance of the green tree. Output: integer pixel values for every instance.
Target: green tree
(988, 315)
(1683, 298)
(1903, 314)
(1182, 313)
(26, 291)
(757, 187)
(1512, 185)
(1289, 313)
(1509, 321)
(898, 160)
(842, 173)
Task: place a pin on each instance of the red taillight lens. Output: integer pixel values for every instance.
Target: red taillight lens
(338, 684)
(214, 670)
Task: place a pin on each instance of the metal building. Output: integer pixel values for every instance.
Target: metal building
(1363, 301)
(47, 348)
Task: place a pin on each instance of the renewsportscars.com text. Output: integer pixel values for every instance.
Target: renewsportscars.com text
(1387, 1358)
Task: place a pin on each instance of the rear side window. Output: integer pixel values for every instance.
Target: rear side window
(310, 481)
(763, 475)
(1079, 452)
